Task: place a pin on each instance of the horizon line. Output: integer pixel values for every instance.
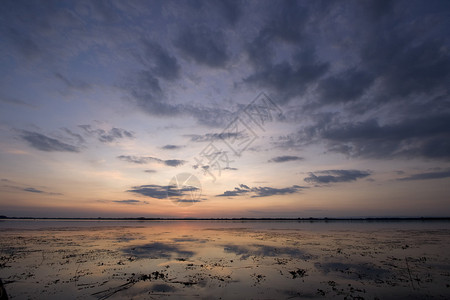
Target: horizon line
(234, 219)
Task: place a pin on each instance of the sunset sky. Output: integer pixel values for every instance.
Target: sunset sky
(104, 103)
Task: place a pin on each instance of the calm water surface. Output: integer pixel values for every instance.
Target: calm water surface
(55, 259)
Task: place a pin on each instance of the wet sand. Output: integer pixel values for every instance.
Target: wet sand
(225, 260)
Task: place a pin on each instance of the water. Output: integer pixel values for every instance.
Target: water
(54, 259)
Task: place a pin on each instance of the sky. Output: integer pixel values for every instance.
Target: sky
(225, 108)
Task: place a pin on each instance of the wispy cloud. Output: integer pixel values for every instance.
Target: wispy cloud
(149, 159)
(45, 143)
(15, 186)
(171, 147)
(203, 45)
(209, 137)
(280, 159)
(130, 202)
(107, 136)
(16, 101)
(427, 176)
(334, 176)
(161, 191)
(255, 192)
(33, 190)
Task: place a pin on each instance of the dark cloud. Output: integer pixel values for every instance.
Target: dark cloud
(334, 176)
(33, 190)
(172, 147)
(209, 137)
(23, 42)
(78, 138)
(107, 136)
(73, 83)
(137, 159)
(427, 175)
(418, 136)
(284, 158)
(290, 79)
(260, 191)
(159, 61)
(45, 143)
(161, 192)
(203, 45)
(231, 169)
(174, 162)
(153, 191)
(147, 93)
(148, 159)
(388, 92)
(131, 202)
(406, 66)
(150, 171)
(426, 136)
(16, 101)
(346, 86)
(230, 10)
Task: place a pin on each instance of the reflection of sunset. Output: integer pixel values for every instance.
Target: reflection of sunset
(225, 259)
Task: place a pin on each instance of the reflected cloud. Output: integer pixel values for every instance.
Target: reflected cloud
(156, 250)
(265, 250)
(366, 270)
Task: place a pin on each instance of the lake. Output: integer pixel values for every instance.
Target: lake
(107, 259)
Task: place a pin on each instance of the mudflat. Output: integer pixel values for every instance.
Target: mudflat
(224, 260)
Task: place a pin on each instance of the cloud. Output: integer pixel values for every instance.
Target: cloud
(204, 45)
(345, 86)
(79, 139)
(150, 171)
(290, 80)
(159, 62)
(161, 192)
(73, 83)
(231, 169)
(33, 190)
(131, 202)
(172, 147)
(427, 176)
(147, 94)
(426, 136)
(45, 143)
(418, 136)
(230, 10)
(148, 159)
(23, 42)
(284, 158)
(16, 101)
(138, 159)
(255, 192)
(107, 136)
(151, 190)
(209, 137)
(174, 162)
(334, 176)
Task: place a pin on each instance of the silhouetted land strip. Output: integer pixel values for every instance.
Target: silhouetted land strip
(374, 219)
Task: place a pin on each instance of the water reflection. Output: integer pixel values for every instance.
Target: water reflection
(265, 250)
(156, 250)
(228, 260)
